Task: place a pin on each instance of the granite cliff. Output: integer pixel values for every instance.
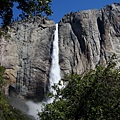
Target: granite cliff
(26, 54)
(86, 39)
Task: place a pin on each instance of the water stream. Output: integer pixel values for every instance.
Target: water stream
(54, 77)
(55, 68)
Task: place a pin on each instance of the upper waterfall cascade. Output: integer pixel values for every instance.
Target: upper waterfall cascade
(55, 68)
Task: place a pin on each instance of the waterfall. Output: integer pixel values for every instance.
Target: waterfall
(54, 77)
(55, 68)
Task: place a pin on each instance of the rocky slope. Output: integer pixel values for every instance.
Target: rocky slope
(86, 38)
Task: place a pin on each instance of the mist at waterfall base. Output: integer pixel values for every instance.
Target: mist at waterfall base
(54, 78)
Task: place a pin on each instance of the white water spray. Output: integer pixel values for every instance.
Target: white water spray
(54, 77)
(55, 68)
(34, 108)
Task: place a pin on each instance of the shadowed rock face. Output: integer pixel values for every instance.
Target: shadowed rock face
(86, 38)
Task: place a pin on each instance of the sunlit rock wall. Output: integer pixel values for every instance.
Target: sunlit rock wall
(87, 38)
(26, 53)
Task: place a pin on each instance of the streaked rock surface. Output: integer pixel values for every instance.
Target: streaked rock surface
(88, 38)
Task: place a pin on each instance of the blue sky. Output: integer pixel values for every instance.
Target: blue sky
(62, 7)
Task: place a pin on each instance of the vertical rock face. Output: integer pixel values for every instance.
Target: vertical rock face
(26, 55)
(88, 38)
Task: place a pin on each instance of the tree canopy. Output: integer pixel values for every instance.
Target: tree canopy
(92, 96)
(28, 8)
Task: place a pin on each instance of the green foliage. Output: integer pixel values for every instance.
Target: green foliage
(7, 112)
(28, 8)
(2, 82)
(92, 96)
(3, 104)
